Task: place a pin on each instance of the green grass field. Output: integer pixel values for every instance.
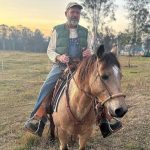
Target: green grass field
(22, 74)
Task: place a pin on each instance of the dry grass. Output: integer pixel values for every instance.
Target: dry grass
(20, 80)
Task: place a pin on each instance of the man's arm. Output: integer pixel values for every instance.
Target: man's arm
(53, 56)
(51, 47)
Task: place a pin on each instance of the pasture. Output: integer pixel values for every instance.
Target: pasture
(22, 74)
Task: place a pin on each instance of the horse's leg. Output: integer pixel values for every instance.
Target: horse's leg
(83, 139)
(63, 138)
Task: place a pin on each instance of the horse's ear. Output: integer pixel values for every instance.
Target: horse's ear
(100, 51)
(114, 49)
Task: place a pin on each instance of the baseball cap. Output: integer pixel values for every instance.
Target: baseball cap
(72, 4)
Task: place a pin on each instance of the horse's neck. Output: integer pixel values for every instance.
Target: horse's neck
(79, 102)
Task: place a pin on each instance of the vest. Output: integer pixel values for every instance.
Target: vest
(62, 41)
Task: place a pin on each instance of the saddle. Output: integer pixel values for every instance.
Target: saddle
(60, 86)
(59, 89)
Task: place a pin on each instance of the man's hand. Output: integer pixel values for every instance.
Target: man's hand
(86, 53)
(63, 58)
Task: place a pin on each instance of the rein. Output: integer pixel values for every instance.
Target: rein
(77, 121)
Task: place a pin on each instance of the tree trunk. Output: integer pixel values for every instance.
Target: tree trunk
(3, 44)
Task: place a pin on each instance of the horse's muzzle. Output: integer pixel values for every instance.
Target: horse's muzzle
(120, 112)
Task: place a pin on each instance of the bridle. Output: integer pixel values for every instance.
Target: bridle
(111, 96)
(97, 104)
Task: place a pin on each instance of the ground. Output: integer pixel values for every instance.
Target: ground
(22, 74)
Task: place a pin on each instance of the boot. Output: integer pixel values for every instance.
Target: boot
(109, 127)
(35, 126)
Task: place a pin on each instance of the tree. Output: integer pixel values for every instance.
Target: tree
(138, 14)
(22, 38)
(108, 38)
(38, 40)
(146, 38)
(96, 12)
(26, 35)
(13, 36)
(4, 31)
(123, 39)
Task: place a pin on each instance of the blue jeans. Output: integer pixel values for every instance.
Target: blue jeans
(48, 85)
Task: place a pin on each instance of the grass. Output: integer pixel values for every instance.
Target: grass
(22, 75)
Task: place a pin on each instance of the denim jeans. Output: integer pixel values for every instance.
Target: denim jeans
(48, 85)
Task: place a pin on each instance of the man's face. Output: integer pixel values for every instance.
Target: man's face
(73, 16)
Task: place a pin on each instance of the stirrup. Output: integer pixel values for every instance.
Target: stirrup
(39, 127)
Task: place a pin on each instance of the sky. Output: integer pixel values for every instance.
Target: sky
(44, 14)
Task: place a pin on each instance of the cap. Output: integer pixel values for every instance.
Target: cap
(72, 4)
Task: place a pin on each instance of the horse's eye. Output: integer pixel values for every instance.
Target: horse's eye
(105, 77)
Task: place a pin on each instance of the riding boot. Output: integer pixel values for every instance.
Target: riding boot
(108, 124)
(35, 126)
(36, 123)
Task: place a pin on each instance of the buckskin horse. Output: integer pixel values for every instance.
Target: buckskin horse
(96, 78)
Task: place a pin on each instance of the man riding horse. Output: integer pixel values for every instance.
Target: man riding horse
(68, 40)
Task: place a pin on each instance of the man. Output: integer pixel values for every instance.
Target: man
(67, 40)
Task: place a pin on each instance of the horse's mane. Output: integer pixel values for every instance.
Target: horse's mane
(86, 67)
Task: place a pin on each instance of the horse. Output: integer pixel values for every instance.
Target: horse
(97, 77)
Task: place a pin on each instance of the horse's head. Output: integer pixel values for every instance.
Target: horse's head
(105, 82)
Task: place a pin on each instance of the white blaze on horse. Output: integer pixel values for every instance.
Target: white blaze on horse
(97, 77)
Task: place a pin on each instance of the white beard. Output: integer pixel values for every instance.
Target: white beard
(73, 22)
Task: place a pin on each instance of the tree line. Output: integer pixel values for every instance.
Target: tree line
(22, 38)
(99, 13)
